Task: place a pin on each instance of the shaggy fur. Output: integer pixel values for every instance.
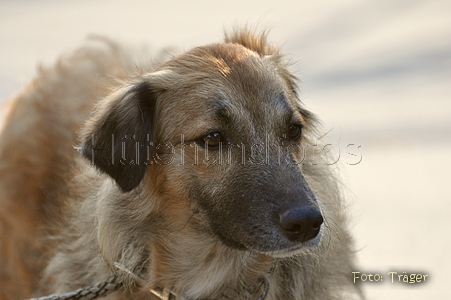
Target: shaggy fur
(148, 193)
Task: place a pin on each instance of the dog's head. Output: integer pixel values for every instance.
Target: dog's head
(220, 128)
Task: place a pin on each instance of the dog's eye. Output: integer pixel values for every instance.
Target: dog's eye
(213, 139)
(294, 132)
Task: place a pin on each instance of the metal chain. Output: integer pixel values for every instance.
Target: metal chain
(113, 283)
(265, 284)
(90, 292)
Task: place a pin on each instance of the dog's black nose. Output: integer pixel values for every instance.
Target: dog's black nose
(301, 224)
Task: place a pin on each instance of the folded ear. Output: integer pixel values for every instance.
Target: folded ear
(117, 137)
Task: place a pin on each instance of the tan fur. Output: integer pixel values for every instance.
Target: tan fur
(65, 222)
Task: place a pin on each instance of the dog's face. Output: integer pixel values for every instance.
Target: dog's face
(220, 128)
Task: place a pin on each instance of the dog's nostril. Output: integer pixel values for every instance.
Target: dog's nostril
(301, 224)
(295, 228)
(317, 225)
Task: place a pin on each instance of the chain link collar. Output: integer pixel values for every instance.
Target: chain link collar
(113, 283)
(165, 294)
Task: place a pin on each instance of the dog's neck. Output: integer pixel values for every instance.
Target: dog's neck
(166, 294)
(200, 269)
(182, 257)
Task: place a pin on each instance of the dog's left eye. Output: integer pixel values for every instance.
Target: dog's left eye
(294, 132)
(213, 139)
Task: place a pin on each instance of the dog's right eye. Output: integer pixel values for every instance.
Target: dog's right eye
(294, 132)
(212, 140)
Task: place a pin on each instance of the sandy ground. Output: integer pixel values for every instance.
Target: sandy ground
(377, 72)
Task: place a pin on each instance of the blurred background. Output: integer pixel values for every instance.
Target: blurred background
(377, 72)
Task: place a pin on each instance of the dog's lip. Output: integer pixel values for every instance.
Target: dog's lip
(287, 253)
(296, 249)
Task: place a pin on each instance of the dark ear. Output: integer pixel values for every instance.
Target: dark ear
(116, 139)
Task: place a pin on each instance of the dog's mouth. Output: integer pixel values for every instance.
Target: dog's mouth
(275, 220)
(296, 249)
(276, 242)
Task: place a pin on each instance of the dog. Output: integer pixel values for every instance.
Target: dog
(187, 178)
